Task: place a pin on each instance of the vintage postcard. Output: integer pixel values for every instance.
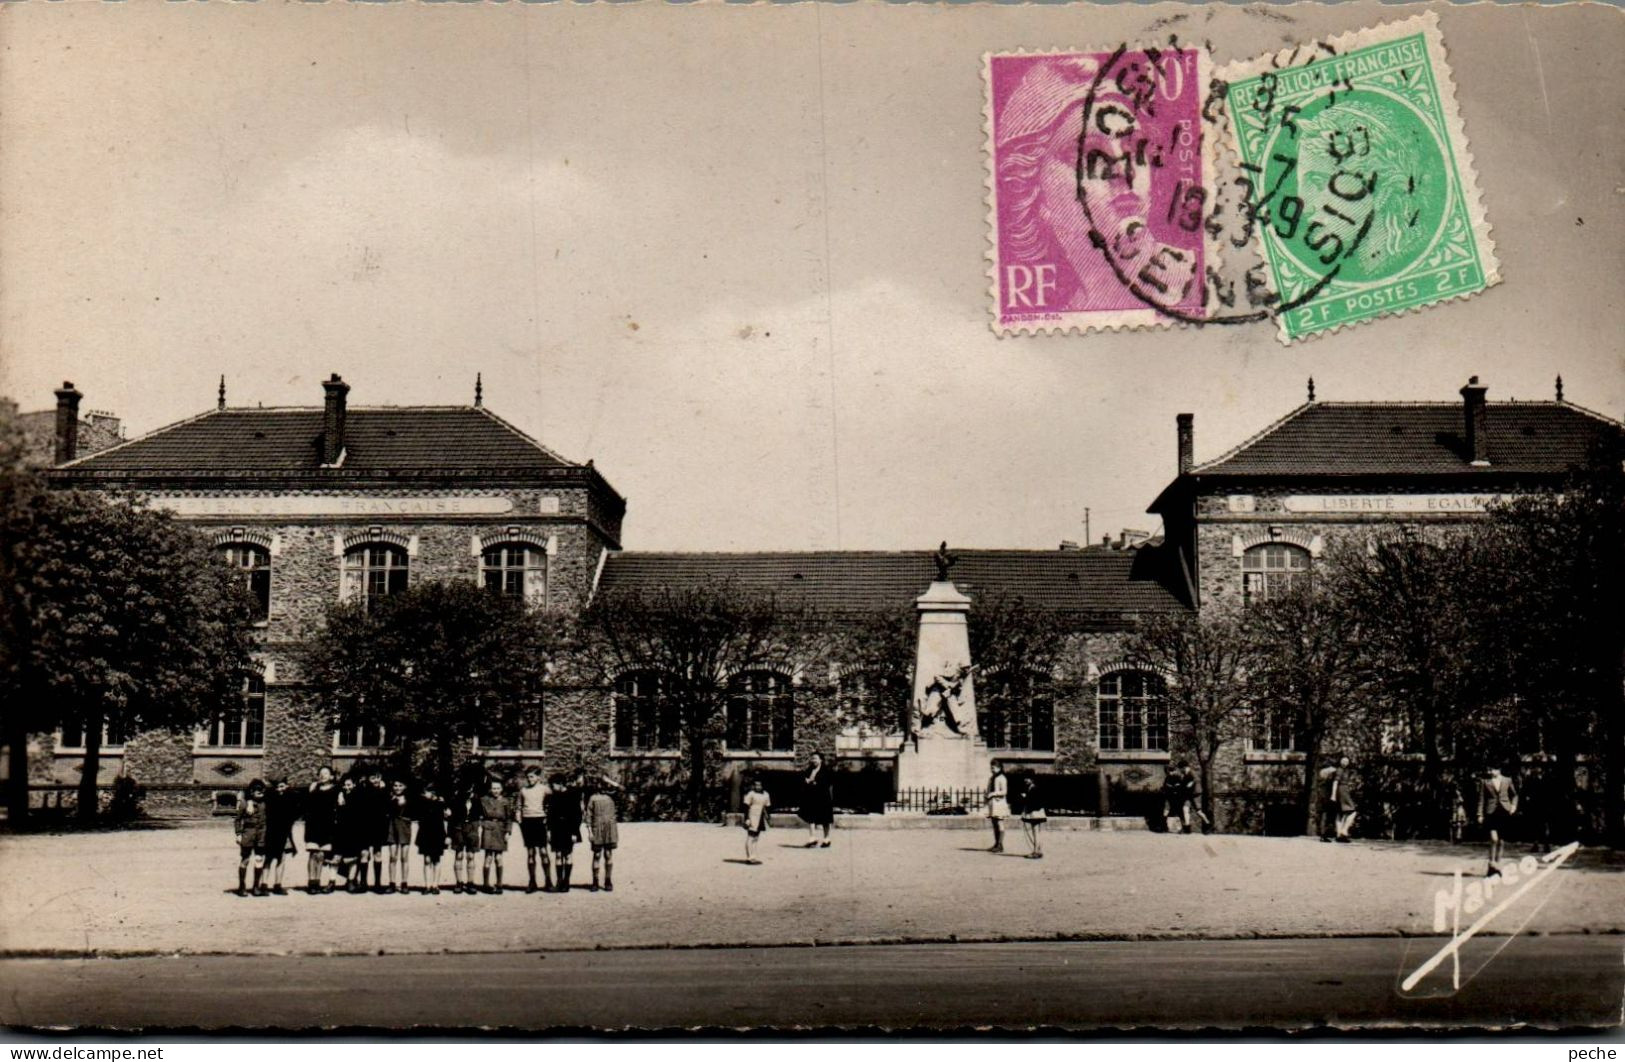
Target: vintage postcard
(514, 524)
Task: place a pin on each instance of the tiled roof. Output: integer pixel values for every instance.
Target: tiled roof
(1356, 438)
(289, 439)
(1092, 581)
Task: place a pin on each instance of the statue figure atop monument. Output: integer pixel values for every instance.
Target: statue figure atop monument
(943, 560)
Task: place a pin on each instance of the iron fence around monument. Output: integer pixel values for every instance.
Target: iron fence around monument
(939, 801)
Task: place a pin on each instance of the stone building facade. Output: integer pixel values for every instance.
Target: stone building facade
(319, 503)
(1326, 476)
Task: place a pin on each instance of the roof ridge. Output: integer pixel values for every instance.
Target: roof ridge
(140, 438)
(1605, 418)
(548, 450)
(1228, 454)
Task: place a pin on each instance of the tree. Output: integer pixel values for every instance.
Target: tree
(1426, 651)
(438, 664)
(1021, 652)
(1205, 656)
(1304, 648)
(115, 614)
(696, 638)
(1559, 569)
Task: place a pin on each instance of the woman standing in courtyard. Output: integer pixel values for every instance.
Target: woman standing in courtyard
(998, 804)
(817, 801)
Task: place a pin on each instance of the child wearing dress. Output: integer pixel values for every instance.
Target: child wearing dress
(281, 811)
(432, 816)
(563, 828)
(376, 837)
(1033, 816)
(756, 804)
(496, 816)
(603, 833)
(400, 833)
(998, 804)
(251, 838)
(321, 803)
(350, 834)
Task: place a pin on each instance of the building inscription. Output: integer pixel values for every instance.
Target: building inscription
(337, 505)
(1391, 503)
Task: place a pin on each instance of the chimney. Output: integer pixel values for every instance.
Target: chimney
(67, 422)
(333, 420)
(1474, 422)
(1187, 441)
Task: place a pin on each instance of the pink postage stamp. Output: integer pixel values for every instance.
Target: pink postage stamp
(1098, 176)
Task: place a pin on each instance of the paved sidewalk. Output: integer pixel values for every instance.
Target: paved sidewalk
(166, 890)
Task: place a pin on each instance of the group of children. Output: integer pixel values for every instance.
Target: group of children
(355, 823)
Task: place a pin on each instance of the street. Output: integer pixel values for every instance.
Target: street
(1550, 981)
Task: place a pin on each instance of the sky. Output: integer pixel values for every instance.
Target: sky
(733, 254)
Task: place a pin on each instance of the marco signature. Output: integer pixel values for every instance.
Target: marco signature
(1450, 904)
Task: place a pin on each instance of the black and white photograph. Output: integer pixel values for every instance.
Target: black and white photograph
(811, 520)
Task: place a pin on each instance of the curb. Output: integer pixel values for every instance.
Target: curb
(1165, 936)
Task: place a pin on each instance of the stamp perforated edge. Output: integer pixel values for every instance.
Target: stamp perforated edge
(1427, 24)
(1085, 322)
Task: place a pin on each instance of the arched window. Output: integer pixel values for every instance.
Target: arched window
(874, 698)
(646, 719)
(514, 569)
(373, 570)
(761, 712)
(1272, 569)
(1133, 712)
(1016, 710)
(242, 725)
(254, 561)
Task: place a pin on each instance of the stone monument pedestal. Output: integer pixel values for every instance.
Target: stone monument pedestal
(945, 751)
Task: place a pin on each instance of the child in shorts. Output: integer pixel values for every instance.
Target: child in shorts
(756, 804)
(532, 801)
(400, 834)
(251, 838)
(432, 816)
(603, 833)
(465, 838)
(496, 818)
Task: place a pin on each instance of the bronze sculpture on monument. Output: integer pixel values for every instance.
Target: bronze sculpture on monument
(945, 750)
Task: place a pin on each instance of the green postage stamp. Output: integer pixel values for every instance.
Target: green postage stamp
(1364, 197)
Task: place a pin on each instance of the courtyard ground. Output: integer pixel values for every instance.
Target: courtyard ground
(166, 889)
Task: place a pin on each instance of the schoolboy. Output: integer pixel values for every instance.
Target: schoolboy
(251, 838)
(496, 818)
(400, 834)
(532, 799)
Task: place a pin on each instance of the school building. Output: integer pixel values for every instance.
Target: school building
(316, 504)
